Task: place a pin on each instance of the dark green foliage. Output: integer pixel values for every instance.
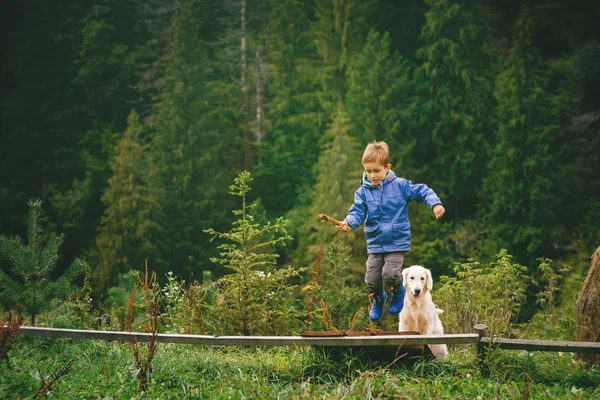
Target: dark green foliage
(377, 97)
(339, 33)
(42, 112)
(111, 50)
(515, 163)
(452, 108)
(29, 284)
(288, 154)
(526, 182)
(193, 145)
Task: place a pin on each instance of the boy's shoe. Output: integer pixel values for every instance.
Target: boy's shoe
(377, 308)
(397, 302)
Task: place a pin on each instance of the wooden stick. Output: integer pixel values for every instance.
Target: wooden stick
(340, 224)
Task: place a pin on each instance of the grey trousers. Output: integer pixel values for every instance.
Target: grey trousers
(384, 269)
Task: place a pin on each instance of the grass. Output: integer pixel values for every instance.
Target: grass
(105, 370)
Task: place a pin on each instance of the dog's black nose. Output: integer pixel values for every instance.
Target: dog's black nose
(417, 291)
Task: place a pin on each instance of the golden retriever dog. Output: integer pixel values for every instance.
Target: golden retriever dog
(419, 313)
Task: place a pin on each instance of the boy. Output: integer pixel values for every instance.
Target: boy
(382, 199)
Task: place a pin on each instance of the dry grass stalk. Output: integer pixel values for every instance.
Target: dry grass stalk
(327, 319)
(9, 329)
(151, 296)
(352, 323)
(312, 287)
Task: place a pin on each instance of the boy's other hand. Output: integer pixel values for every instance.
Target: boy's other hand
(438, 211)
(343, 226)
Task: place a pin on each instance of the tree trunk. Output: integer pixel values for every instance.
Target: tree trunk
(243, 50)
(259, 111)
(588, 309)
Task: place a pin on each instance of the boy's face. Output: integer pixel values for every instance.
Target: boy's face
(376, 171)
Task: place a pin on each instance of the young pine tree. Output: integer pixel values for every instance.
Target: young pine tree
(255, 298)
(32, 265)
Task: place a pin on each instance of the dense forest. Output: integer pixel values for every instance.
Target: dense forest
(130, 120)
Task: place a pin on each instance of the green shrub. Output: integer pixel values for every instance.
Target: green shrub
(557, 299)
(491, 295)
(189, 309)
(116, 299)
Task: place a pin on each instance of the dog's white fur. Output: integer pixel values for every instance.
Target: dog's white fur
(419, 313)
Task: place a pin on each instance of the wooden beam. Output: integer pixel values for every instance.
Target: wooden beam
(343, 341)
(543, 345)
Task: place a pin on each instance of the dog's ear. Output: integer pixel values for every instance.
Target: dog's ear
(405, 277)
(429, 280)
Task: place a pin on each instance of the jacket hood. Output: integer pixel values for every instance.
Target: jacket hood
(390, 176)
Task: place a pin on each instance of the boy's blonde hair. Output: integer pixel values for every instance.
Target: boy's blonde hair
(377, 152)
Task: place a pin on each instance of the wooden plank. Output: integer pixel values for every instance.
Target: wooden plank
(543, 345)
(344, 341)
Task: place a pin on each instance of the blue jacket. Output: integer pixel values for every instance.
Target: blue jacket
(385, 208)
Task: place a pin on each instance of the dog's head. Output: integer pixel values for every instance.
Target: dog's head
(417, 280)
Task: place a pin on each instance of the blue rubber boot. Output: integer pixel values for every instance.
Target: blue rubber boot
(397, 302)
(377, 308)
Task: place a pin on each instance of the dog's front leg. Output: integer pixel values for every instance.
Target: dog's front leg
(439, 350)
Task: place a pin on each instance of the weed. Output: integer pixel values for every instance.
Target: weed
(9, 328)
(151, 300)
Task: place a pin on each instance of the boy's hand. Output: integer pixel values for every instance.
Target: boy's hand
(343, 226)
(438, 211)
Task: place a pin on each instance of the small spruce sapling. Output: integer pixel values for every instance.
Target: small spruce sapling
(256, 296)
(32, 265)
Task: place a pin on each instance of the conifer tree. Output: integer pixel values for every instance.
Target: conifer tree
(310, 61)
(451, 111)
(338, 176)
(378, 92)
(32, 267)
(339, 35)
(133, 227)
(112, 46)
(293, 112)
(108, 67)
(524, 184)
(194, 143)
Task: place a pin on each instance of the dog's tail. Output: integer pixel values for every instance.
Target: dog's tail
(439, 311)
